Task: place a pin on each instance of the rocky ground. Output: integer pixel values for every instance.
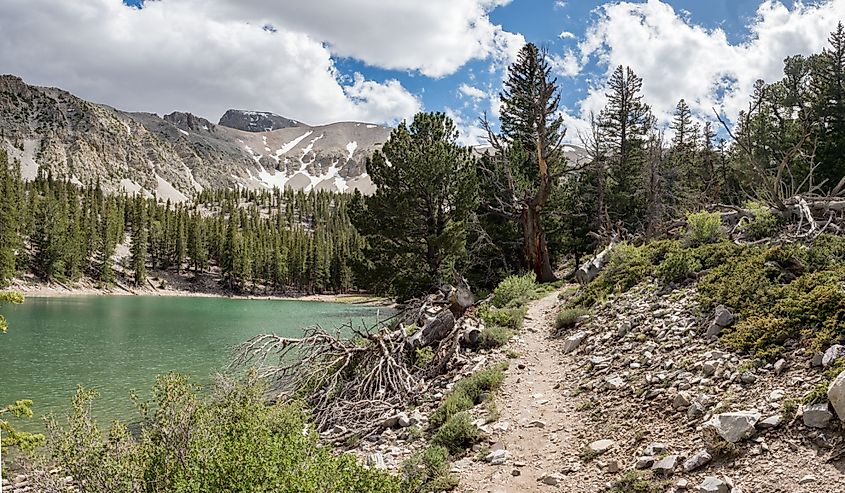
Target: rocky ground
(638, 395)
(639, 386)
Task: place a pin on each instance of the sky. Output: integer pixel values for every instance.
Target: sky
(382, 61)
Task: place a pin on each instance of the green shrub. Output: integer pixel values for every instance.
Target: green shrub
(428, 470)
(636, 482)
(628, 266)
(512, 318)
(568, 317)
(423, 356)
(468, 392)
(714, 254)
(762, 224)
(189, 442)
(494, 337)
(703, 228)
(513, 290)
(678, 266)
(457, 434)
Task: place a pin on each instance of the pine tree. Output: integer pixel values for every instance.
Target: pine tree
(414, 223)
(626, 122)
(519, 179)
(9, 239)
(138, 251)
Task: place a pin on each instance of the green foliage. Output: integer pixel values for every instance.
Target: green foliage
(704, 227)
(415, 223)
(513, 291)
(678, 266)
(8, 297)
(423, 356)
(762, 224)
(457, 434)
(428, 470)
(568, 317)
(637, 482)
(189, 442)
(512, 318)
(494, 336)
(467, 393)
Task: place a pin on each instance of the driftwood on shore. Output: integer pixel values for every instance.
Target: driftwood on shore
(353, 384)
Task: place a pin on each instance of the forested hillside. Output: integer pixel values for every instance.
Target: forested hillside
(251, 241)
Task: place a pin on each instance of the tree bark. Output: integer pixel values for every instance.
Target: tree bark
(536, 248)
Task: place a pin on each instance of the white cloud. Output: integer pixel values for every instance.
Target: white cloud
(206, 56)
(471, 91)
(470, 132)
(566, 35)
(559, 4)
(567, 65)
(678, 60)
(436, 37)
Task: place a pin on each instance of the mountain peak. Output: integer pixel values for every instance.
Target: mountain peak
(256, 121)
(188, 121)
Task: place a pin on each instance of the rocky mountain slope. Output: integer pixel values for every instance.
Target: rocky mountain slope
(175, 155)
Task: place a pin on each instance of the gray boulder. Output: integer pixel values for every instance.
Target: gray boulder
(573, 342)
(836, 395)
(817, 415)
(733, 427)
(697, 461)
(832, 354)
(666, 466)
(712, 484)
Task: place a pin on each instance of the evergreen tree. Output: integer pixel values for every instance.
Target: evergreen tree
(9, 220)
(139, 243)
(520, 177)
(626, 122)
(415, 221)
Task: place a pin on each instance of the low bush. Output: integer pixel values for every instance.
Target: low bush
(762, 224)
(468, 392)
(513, 290)
(457, 434)
(678, 266)
(512, 318)
(703, 228)
(568, 318)
(427, 471)
(494, 337)
(191, 442)
(637, 482)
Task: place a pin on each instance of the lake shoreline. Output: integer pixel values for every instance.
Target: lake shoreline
(33, 288)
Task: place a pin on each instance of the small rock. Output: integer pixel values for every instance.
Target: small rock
(614, 383)
(776, 395)
(515, 472)
(713, 330)
(816, 360)
(708, 368)
(808, 479)
(656, 448)
(552, 479)
(770, 422)
(537, 424)
(697, 461)
(832, 354)
(817, 415)
(403, 420)
(666, 466)
(644, 462)
(723, 317)
(836, 395)
(498, 457)
(573, 342)
(733, 427)
(682, 484)
(712, 484)
(601, 446)
(748, 377)
(612, 467)
(780, 365)
(681, 401)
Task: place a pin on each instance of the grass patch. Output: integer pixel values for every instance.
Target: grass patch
(512, 318)
(494, 337)
(568, 317)
(637, 482)
(457, 434)
(514, 290)
(428, 470)
(467, 393)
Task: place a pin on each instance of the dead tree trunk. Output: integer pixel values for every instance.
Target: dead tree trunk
(535, 246)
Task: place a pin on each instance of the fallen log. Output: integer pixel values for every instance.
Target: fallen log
(591, 268)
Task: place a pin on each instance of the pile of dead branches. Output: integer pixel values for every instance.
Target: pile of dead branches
(356, 379)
